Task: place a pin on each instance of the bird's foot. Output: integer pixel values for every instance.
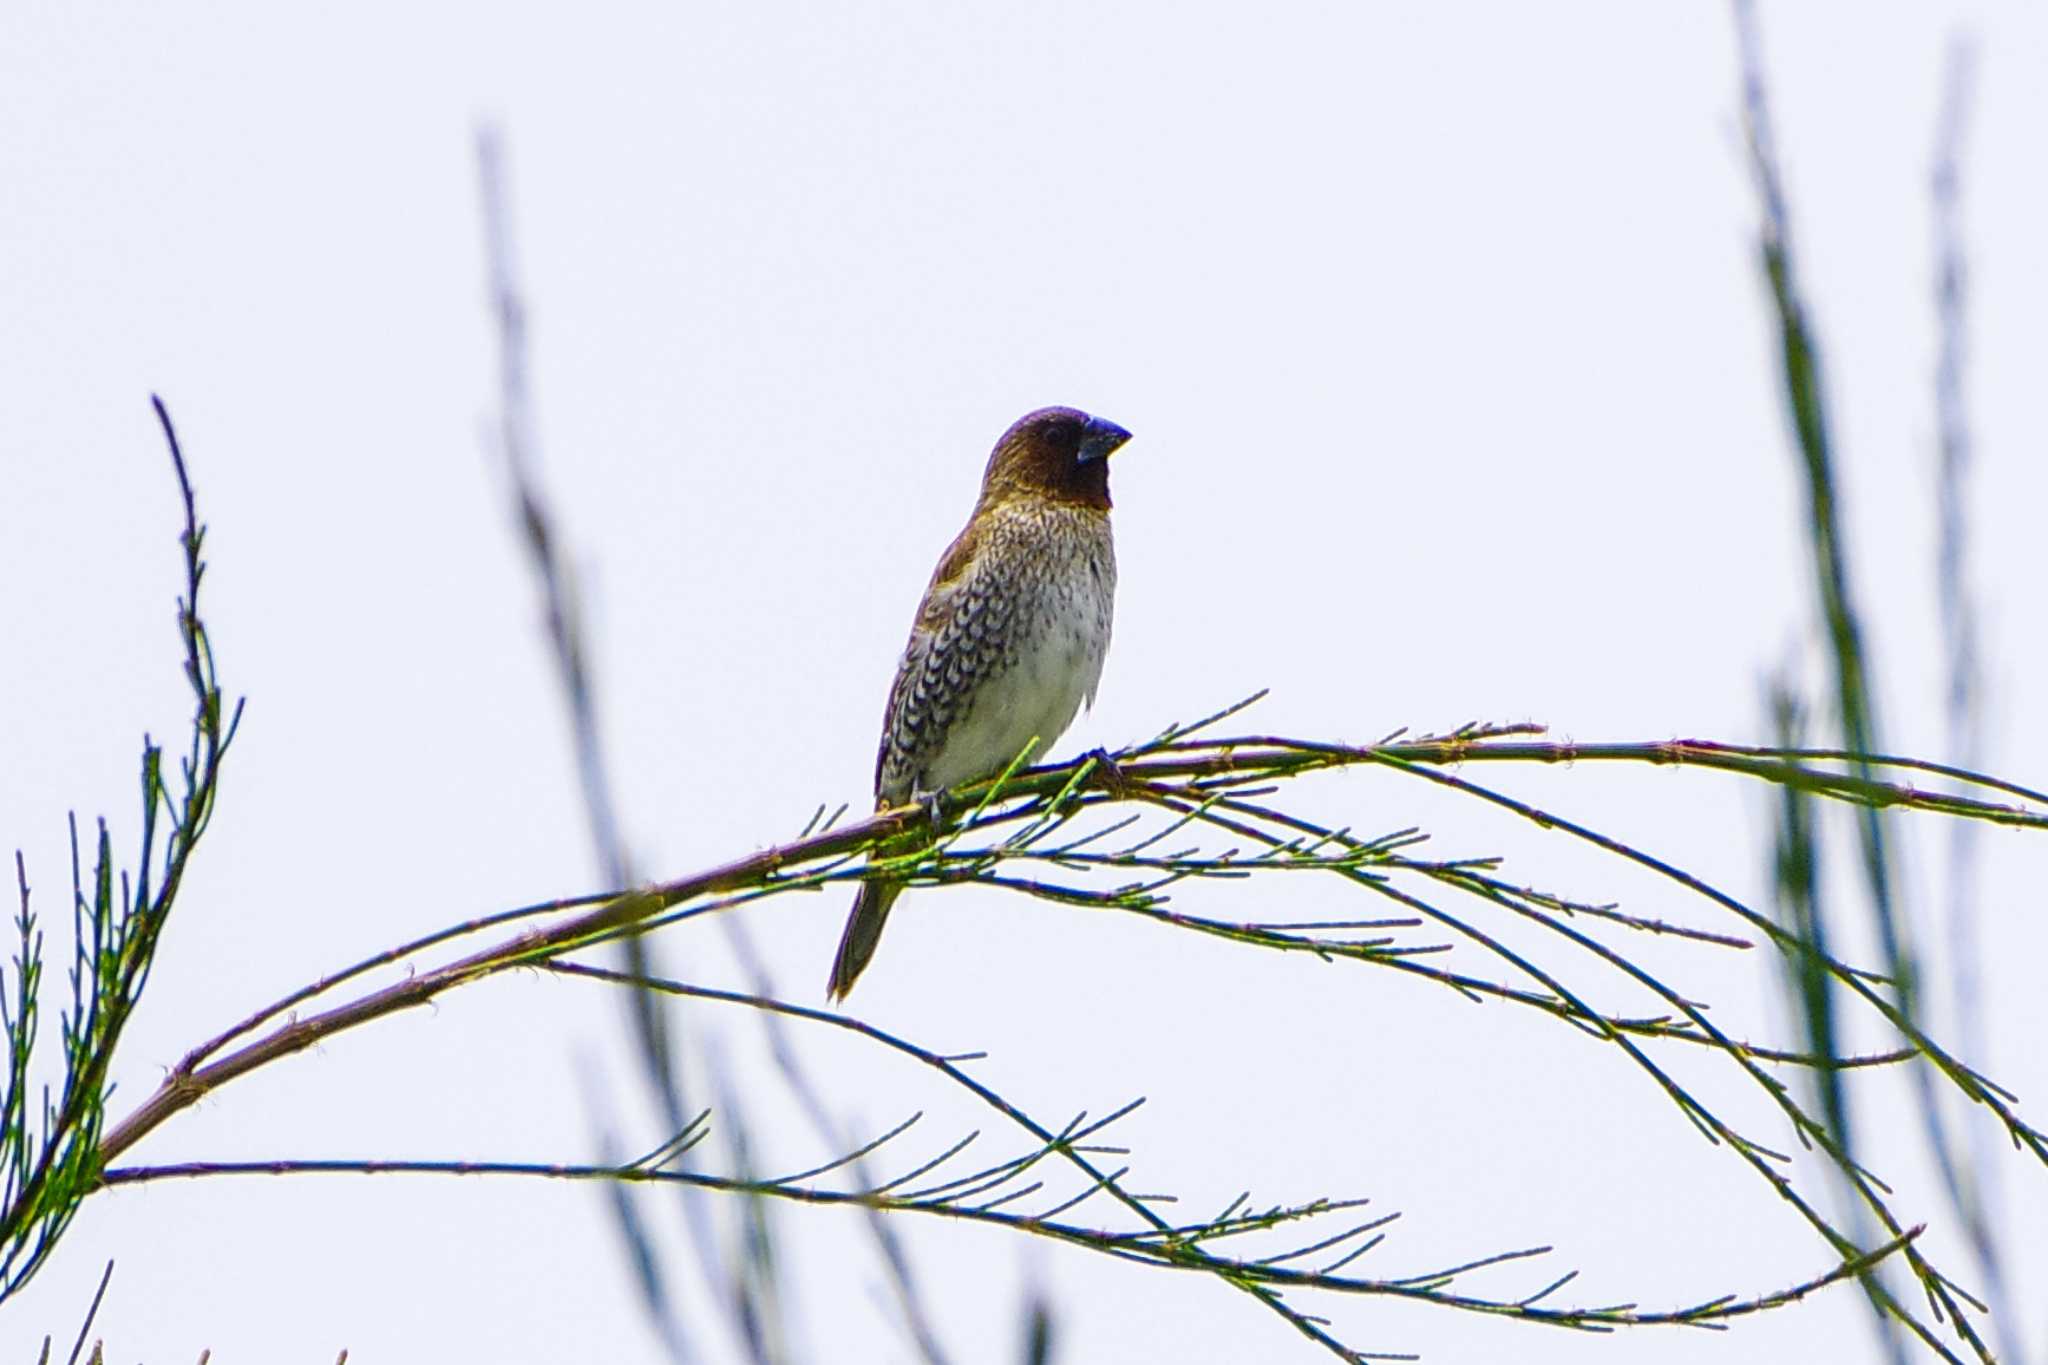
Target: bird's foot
(934, 812)
(1112, 777)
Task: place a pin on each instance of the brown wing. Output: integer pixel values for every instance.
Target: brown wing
(956, 638)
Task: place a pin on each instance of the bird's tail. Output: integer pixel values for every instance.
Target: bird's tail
(863, 931)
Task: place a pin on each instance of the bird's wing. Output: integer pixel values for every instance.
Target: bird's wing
(955, 634)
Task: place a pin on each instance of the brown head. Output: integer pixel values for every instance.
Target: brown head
(1057, 453)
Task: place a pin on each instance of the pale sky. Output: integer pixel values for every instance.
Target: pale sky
(1441, 335)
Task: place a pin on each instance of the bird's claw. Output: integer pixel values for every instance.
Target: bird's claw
(1113, 778)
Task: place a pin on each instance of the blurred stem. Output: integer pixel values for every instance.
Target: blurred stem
(516, 443)
(1973, 1184)
(1807, 408)
(1798, 897)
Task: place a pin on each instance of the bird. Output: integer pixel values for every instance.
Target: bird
(1009, 640)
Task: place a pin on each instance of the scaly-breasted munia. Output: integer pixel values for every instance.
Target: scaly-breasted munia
(1009, 639)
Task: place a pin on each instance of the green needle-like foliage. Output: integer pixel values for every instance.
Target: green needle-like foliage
(1118, 833)
(118, 918)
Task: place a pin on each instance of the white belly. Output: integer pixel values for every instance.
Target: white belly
(1026, 707)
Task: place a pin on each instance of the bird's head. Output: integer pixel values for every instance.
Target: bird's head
(1057, 453)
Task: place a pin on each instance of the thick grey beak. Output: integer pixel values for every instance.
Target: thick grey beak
(1100, 438)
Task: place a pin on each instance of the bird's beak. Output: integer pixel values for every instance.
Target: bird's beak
(1100, 438)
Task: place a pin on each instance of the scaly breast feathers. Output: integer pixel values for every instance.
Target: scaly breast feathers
(1005, 661)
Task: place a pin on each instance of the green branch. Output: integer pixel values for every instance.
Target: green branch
(1110, 832)
(50, 1170)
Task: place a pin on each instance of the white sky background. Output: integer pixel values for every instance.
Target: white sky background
(1441, 335)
